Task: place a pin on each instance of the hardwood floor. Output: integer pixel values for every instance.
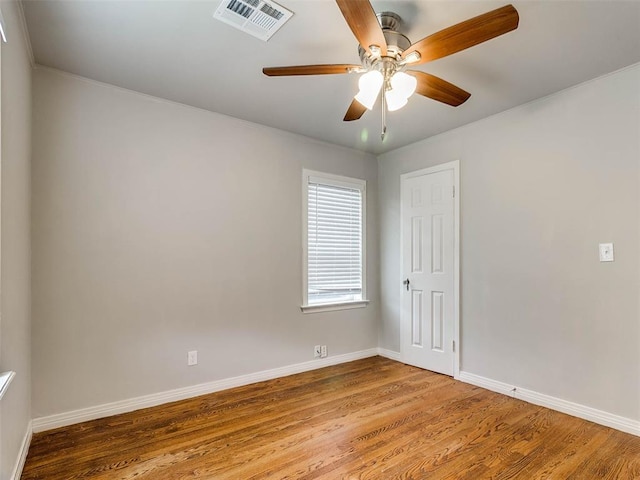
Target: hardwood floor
(370, 419)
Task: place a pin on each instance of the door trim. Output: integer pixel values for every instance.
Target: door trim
(455, 166)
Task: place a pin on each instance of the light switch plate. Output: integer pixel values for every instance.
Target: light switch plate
(606, 252)
(192, 358)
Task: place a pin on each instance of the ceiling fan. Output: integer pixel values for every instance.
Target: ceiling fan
(386, 54)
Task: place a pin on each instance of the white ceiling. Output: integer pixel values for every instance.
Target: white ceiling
(176, 50)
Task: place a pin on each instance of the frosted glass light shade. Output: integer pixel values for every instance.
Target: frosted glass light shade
(405, 84)
(395, 99)
(370, 84)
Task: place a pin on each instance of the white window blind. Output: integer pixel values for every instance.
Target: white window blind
(334, 242)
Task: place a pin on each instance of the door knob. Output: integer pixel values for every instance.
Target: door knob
(406, 282)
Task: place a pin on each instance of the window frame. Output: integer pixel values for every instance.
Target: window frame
(339, 181)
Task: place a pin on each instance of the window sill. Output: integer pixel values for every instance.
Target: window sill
(5, 380)
(331, 307)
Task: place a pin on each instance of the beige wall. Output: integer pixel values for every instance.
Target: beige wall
(541, 186)
(158, 229)
(15, 349)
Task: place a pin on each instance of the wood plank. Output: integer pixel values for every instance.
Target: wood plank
(370, 419)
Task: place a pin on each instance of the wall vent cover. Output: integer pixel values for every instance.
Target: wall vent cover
(256, 17)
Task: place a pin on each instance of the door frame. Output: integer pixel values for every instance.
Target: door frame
(455, 166)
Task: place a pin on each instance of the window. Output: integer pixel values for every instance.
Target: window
(334, 242)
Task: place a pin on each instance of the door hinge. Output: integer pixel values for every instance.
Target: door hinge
(453, 345)
(454, 191)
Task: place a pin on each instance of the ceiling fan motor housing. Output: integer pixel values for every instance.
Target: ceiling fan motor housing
(396, 42)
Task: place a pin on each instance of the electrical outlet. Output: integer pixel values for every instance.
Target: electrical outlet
(323, 351)
(606, 252)
(316, 351)
(192, 358)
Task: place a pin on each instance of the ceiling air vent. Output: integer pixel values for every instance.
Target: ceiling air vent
(256, 17)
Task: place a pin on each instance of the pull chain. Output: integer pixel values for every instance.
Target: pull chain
(384, 115)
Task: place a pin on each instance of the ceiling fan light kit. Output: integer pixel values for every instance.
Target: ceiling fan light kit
(402, 86)
(385, 54)
(398, 86)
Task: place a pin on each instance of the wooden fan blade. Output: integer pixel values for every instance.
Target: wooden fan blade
(355, 111)
(466, 34)
(364, 24)
(438, 89)
(309, 70)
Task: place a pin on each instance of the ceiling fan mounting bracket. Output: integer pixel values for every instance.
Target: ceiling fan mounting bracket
(389, 20)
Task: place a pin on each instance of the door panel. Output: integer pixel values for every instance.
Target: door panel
(437, 321)
(437, 233)
(416, 318)
(416, 245)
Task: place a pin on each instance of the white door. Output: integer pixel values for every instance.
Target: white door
(429, 314)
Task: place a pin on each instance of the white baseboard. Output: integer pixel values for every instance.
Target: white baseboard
(575, 409)
(390, 354)
(91, 413)
(22, 454)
